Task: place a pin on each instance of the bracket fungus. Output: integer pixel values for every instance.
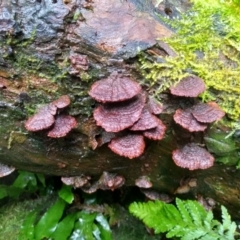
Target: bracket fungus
(115, 88)
(185, 119)
(62, 126)
(117, 117)
(207, 112)
(154, 106)
(62, 102)
(193, 157)
(145, 122)
(5, 170)
(130, 145)
(123, 107)
(156, 133)
(143, 182)
(190, 86)
(45, 119)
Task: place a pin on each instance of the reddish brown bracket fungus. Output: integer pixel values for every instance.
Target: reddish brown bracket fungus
(154, 106)
(130, 146)
(185, 119)
(207, 112)
(43, 119)
(190, 86)
(154, 195)
(62, 102)
(146, 121)
(62, 126)
(76, 182)
(156, 133)
(110, 181)
(193, 157)
(115, 117)
(115, 88)
(5, 170)
(143, 182)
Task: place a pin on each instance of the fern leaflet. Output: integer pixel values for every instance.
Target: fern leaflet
(188, 220)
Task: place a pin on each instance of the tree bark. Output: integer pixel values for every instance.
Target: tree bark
(41, 42)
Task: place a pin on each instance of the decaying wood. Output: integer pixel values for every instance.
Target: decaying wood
(75, 43)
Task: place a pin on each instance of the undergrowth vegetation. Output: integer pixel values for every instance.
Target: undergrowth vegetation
(58, 212)
(187, 220)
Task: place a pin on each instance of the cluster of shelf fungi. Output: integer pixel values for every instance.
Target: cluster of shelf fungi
(127, 115)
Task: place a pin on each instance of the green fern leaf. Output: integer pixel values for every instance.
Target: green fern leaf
(183, 210)
(188, 221)
(197, 212)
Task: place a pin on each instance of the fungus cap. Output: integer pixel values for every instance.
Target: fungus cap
(193, 157)
(115, 117)
(63, 125)
(5, 170)
(190, 86)
(145, 122)
(207, 112)
(130, 145)
(156, 133)
(143, 182)
(154, 106)
(185, 119)
(62, 102)
(43, 119)
(115, 88)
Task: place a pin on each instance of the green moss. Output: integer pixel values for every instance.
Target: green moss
(208, 45)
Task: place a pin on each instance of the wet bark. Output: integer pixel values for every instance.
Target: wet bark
(50, 48)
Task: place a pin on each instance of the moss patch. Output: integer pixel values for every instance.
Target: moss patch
(208, 45)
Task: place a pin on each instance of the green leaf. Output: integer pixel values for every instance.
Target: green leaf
(104, 227)
(66, 193)
(85, 226)
(3, 192)
(25, 179)
(189, 221)
(41, 179)
(65, 227)
(49, 221)
(27, 229)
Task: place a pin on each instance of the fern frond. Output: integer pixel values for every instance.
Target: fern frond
(188, 221)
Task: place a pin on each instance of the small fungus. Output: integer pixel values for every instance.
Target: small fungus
(190, 86)
(193, 157)
(143, 182)
(153, 195)
(130, 146)
(185, 119)
(5, 170)
(43, 119)
(115, 117)
(146, 121)
(207, 112)
(115, 88)
(62, 126)
(62, 102)
(156, 133)
(76, 182)
(110, 181)
(154, 106)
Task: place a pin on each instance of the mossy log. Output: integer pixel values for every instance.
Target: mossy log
(41, 43)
